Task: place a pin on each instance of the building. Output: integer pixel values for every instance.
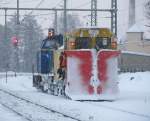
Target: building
(135, 54)
(136, 40)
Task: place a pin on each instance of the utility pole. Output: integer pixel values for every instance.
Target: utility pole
(65, 23)
(55, 23)
(18, 12)
(65, 16)
(93, 12)
(131, 13)
(17, 35)
(5, 25)
(6, 41)
(114, 16)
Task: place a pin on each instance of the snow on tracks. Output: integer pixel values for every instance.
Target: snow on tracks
(119, 110)
(29, 110)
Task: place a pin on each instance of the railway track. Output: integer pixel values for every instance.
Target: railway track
(119, 110)
(19, 114)
(53, 112)
(25, 108)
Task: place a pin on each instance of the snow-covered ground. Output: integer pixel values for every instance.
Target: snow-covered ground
(7, 115)
(133, 103)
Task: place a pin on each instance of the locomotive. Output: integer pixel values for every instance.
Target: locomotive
(82, 65)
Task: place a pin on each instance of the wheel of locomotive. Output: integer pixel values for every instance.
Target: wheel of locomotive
(51, 89)
(63, 90)
(45, 87)
(60, 92)
(34, 80)
(56, 90)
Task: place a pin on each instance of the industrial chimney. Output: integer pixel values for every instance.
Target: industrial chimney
(131, 13)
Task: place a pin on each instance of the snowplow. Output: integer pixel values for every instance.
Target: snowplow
(85, 69)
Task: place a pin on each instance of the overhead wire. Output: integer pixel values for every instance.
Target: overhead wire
(29, 1)
(33, 10)
(58, 3)
(84, 4)
(38, 5)
(5, 2)
(44, 14)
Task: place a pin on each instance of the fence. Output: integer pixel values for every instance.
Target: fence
(134, 62)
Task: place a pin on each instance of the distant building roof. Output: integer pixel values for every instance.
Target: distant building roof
(136, 28)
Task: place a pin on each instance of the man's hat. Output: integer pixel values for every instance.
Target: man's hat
(51, 32)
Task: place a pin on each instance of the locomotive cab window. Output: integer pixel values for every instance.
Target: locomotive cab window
(102, 43)
(82, 42)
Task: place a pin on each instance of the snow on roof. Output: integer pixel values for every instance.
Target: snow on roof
(138, 27)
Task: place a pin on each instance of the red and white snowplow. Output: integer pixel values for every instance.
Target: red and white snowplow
(85, 69)
(91, 75)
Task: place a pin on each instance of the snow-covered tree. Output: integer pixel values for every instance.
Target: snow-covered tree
(31, 37)
(29, 34)
(4, 47)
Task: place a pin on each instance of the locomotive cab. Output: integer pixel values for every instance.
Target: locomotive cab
(91, 38)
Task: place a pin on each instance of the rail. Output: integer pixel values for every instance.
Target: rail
(36, 104)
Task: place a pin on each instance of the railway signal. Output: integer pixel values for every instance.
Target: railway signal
(14, 41)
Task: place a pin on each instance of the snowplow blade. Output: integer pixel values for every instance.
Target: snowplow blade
(91, 75)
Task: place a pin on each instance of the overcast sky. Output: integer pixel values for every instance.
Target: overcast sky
(102, 21)
(53, 4)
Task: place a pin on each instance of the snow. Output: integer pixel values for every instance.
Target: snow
(73, 78)
(132, 104)
(138, 27)
(29, 110)
(24, 83)
(112, 76)
(94, 79)
(7, 115)
(138, 82)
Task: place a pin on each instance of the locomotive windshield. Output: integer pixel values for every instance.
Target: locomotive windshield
(82, 42)
(103, 42)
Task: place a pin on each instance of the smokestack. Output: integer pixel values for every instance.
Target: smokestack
(131, 13)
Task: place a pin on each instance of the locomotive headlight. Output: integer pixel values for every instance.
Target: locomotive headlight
(114, 43)
(104, 42)
(72, 45)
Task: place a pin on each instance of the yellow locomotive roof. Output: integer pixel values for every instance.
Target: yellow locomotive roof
(91, 32)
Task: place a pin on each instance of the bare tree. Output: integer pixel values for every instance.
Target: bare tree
(147, 6)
